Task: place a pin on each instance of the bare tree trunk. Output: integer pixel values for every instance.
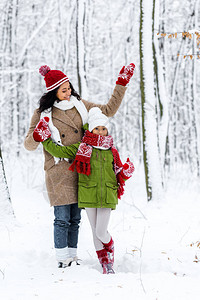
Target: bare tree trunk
(80, 43)
(5, 200)
(194, 93)
(151, 157)
(162, 98)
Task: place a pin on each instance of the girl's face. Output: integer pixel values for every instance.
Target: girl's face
(64, 91)
(101, 130)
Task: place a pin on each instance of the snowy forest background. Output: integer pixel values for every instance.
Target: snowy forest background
(158, 126)
(90, 41)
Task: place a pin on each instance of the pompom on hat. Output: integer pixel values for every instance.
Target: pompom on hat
(53, 78)
(97, 118)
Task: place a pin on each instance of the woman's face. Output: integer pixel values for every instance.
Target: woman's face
(64, 91)
(101, 130)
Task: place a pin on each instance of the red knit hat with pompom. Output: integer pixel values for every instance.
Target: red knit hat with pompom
(53, 78)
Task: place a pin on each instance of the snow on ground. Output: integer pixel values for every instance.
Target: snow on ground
(156, 248)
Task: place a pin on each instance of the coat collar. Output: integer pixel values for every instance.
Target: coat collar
(62, 116)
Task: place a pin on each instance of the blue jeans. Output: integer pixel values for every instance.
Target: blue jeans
(66, 225)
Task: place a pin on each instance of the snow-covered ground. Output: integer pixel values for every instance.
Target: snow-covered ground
(156, 248)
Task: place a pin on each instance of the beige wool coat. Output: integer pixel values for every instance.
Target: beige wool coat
(62, 184)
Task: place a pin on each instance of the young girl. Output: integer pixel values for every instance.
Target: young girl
(101, 179)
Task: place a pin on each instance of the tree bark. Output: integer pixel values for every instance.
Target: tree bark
(80, 42)
(5, 200)
(151, 156)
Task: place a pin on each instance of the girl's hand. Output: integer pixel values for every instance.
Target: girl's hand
(42, 131)
(128, 169)
(125, 74)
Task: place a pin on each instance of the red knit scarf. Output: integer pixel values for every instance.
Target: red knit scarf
(83, 156)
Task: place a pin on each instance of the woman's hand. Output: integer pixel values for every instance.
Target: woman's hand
(125, 74)
(42, 131)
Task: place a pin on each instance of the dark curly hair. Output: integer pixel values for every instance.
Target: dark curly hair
(47, 100)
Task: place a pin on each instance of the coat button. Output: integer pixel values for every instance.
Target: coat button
(76, 131)
(63, 135)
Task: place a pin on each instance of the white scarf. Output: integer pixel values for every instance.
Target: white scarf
(64, 105)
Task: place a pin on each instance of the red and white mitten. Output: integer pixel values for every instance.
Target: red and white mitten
(125, 74)
(128, 169)
(42, 131)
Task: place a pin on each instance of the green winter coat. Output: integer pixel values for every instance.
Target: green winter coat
(99, 189)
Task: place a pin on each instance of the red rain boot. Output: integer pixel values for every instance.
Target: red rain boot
(105, 261)
(110, 249)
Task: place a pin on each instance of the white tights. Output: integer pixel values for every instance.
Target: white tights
(99, 219)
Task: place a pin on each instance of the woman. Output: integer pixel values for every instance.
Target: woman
(67, 114)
